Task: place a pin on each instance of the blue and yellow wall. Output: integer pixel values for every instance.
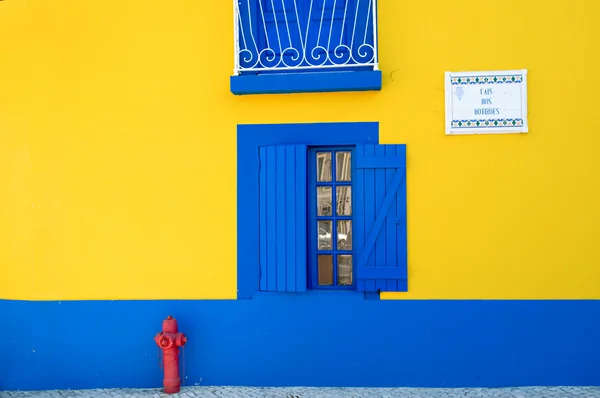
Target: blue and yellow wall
(118, 203)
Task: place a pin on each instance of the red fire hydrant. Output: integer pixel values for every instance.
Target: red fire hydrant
(169, 341)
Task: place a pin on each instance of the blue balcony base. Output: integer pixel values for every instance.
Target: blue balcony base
(308, 82)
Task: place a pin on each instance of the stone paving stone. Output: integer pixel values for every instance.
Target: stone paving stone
(305, 392)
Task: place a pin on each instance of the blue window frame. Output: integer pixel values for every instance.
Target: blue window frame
(330, 249)
(279, 41)
(277, 221)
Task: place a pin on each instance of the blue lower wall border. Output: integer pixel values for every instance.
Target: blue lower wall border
(282, 340)
(315, 82)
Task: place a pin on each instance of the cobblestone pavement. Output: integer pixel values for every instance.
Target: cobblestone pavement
(303, 392)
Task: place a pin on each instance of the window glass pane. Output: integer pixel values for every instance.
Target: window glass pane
(323, 166)
(344, 269)
(343, 198)
(344, 235)
(325, 235)
(343, 170)
(324, 201)
(325, 270)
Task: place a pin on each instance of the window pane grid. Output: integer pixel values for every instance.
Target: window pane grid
(333, 192)
(337, 184)
(332, 251)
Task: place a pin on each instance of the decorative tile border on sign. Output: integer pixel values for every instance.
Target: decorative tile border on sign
(486, 102)
(463, 80)
(489, 123)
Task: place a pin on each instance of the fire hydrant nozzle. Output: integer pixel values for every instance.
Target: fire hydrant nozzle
(169, 341)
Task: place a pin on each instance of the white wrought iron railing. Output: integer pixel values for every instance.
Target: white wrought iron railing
(304, 35)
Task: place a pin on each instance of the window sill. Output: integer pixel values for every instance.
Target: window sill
(335, 294)
(317, 82)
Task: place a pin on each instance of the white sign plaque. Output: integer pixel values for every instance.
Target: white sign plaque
(486, 102)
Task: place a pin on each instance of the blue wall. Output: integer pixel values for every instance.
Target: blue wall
(279, 339)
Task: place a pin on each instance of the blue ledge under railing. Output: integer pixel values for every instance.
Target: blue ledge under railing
(306, 82)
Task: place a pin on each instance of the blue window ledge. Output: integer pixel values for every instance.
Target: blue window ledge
(317, 82)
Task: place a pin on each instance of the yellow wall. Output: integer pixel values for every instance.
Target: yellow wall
(118, 163)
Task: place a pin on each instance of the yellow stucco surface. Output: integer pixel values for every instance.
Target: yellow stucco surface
(118, 157)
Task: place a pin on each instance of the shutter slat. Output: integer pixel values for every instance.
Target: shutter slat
(380, 194)
(381, 263)
(263, 218)
(401, 231)
(369, 258)
(301, 197)
(390, 223)
(282, 218)
(271, 218)
(359, 211)
(290, 218)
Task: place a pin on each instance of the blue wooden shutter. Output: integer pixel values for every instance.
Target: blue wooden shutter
(380, 218)
(282, 218)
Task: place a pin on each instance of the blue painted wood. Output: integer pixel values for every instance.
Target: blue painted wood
(402, 225)
(301, 211)
(327, 21)
(313, 236)
(290, 217)
(248, 13)
(374, 224)
(280, 213)
(383, 266)
(359, 211)
(288, 83)
(263, 218)
(384, 162)
(282, 223)
(369, 216)
(381, 240)
(271, 218)
(382, 272)
(390, 224)
(281, 35)
(249, 139)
